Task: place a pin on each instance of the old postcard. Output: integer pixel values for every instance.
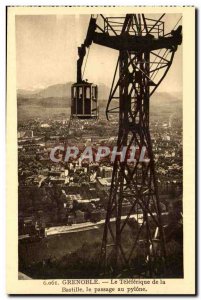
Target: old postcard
(101, 150)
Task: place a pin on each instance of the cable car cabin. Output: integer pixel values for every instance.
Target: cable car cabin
(84, 101)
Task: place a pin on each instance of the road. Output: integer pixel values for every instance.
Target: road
(84, 226)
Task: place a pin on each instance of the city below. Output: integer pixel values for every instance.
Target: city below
(67, 193)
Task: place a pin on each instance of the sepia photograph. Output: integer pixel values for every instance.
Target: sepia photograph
(100, 148)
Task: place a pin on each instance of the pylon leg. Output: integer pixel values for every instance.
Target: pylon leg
(130, 243)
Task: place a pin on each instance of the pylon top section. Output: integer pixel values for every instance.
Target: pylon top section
(135, 32)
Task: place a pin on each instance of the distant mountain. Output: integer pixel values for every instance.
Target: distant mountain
(50, 102)
(164, 98)
(165, 102)
(58, 91)
(56, 99)
(27, 93)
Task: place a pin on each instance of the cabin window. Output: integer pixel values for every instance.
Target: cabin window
(80, 92)
(94, 92)
(74, 92)
(88, 96)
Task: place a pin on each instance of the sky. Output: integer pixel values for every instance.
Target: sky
(46, 52)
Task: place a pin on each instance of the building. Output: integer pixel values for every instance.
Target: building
(103, 184)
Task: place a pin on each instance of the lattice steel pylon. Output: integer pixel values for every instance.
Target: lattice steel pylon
(135, 244)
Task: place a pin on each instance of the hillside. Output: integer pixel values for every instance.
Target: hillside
(55, 100)
(57, 91)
